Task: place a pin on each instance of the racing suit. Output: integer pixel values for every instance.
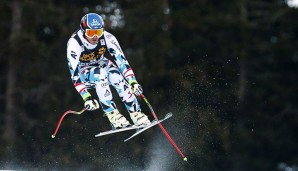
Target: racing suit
(98, 66)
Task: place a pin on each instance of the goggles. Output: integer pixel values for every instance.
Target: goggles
(92, 32)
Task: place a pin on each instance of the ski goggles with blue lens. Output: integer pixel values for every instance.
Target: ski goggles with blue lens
(92, 32)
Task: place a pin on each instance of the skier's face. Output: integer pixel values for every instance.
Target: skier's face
(93, 40)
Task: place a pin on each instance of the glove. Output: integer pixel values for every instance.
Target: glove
(91, 104)
(136, 88)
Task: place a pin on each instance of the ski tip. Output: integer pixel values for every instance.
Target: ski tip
(53, 136)
(169, 114)
(185, 159)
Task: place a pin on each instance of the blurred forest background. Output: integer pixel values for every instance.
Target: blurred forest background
(226, 69)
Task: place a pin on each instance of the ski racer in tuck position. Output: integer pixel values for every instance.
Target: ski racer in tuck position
(95, 60)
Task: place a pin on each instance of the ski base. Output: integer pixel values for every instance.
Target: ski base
(153, 123)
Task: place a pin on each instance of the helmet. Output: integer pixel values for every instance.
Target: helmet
(91, 21)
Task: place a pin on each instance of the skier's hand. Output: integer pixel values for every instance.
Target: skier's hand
(136, 88)
(91, 104)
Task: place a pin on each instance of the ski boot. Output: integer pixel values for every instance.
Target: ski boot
(139, 118)
(117, 120)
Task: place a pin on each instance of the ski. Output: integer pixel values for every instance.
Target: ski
(119, 130)
(153, 123)
(133, 127)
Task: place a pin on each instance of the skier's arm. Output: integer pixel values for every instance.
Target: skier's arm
(118, 57)
(73, 54)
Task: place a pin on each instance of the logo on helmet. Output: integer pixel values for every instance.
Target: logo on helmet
(95, 23)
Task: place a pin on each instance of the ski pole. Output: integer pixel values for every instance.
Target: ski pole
(62, 117)
(163, 129)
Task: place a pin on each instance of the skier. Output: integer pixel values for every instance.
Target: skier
(95, 60)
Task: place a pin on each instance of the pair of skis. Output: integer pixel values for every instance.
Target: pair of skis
(139, 129)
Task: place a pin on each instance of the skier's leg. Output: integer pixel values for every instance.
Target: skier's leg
(120, 84)
(99, 77)
(130, 101)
